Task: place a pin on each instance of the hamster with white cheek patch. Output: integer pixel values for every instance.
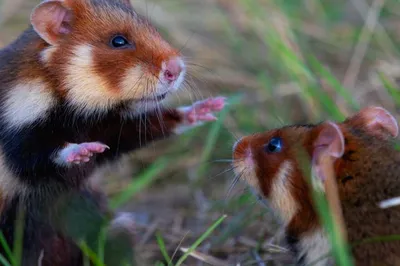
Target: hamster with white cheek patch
(367, 170)
(81, 86)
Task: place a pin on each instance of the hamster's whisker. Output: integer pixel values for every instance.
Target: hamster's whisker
(191, 88)
(202, 67)
(192, 92)
(135, 85)
(159, 117)
(232, 133)
(223, 172)
(190, 82)
(187, 41)
(234, 183)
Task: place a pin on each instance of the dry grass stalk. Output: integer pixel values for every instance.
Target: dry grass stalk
(205, 258)
(332, 194)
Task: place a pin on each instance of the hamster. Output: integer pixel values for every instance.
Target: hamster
(367, 169)
(81, 86)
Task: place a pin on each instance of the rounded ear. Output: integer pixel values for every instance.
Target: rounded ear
(328, 141)
(51, 19)
(376, 120)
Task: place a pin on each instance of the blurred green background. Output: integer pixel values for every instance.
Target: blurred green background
(279, 62)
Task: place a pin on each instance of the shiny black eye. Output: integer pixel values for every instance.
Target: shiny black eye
(274, 145)
(119, 42)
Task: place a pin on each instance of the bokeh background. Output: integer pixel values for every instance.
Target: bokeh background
(278, 62)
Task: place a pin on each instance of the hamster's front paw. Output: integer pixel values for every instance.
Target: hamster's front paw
(79, 153)
(202, 111)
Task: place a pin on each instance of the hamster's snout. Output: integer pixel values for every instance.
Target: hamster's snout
(242, 154)
(244, 164)
(173, 69)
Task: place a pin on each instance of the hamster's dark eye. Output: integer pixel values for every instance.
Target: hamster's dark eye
(274, 145)
(119, 42)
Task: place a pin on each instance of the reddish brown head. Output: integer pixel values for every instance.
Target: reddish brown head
(270, 161)
(104, 53)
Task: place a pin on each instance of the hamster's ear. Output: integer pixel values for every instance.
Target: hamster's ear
(376, 120)
(328, 140)
(51, 19)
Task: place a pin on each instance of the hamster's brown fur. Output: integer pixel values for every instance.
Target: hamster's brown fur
(82, 85)
(367, 172)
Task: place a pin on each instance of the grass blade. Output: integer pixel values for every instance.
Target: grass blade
(163, 249)
(200, 240)
(332, 81)
(340, 248)
(394, 92)
(214, 133)
(6, 248)
(90, 254)
(19, 234)
(4, 261)
(139, 183)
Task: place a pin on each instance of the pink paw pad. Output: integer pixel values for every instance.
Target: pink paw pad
(203, 111)
(78, 153)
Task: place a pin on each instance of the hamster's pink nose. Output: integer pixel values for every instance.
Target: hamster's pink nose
(173, 68)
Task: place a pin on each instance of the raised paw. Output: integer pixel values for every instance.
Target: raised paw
(202, 111)
(80, 153)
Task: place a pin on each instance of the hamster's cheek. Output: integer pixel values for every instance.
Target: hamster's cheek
(280, 193)
(137, 84)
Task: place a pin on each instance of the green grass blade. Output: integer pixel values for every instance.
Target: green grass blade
(90, 254)
(4, 261)
(332, 81)
(391, 89)
(235, 226)
(18, 236)
(102, 242)
(200, 240)
(139, 183)
(214, 132)
(86, 261)
(6, 248)
(163, 249)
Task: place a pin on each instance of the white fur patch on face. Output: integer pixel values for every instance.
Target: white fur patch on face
(313, 246)
(26, 103)
(137, 85)
(86, 90)
(280, 195)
